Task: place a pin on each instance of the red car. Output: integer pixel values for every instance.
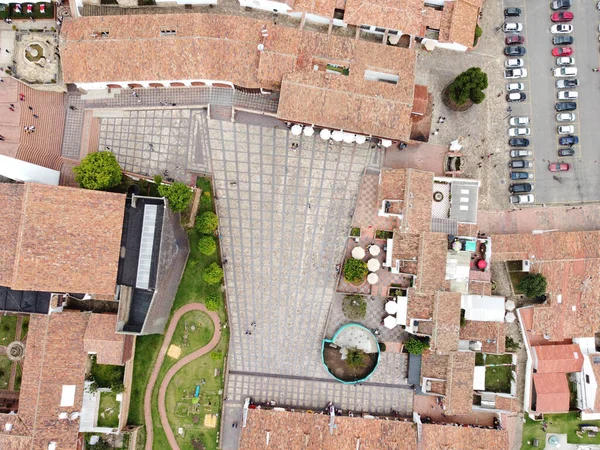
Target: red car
(562, 51)
(558, 167)
(566, 16)
(514, 39)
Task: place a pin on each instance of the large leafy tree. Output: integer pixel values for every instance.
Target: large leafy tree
(98, 171)
(416, 346)
(533, 285)
(355, 270)
(178, 195)
(207, 222)
(469, 85)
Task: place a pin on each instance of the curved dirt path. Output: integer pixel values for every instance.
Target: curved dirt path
(162, 392)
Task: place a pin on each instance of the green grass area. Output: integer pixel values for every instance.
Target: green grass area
(567, 423)
(108, 410)
(497, 378)
(8, 328)
(383, 234)
(24, 326)
(515, 279)
(105, 374)
(497, 359)
(194, 330)
(479, 359)
(18, 377)
(355, 232)
(5, 365)
(146, 351)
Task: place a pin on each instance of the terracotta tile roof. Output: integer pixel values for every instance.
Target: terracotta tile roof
(101, 338)
(403, 16)
(596, 370)
(432, 262)
(421, 98)
(11, 201)
(392, 185)
(552, 392)
(323, 8)
(434, 365)
(463, 22)
(437, 387)
(454, 437)
(494, 332)
(68, 239)
(446, 22)
(14, 442)
(564, 358)
(432, 18)
(459, 389)
(418, 200)
(420, 305)
(406, 246)
(446, 319)
(507, 404)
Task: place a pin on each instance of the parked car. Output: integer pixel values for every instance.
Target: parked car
(514, 39)
(520, 164)
(519, 131)
(566, 152)
(568, 140)
(521, 176)
(522, 199)
(519, 120)
(559, 167)
(561, 28)
(512, 63)
(567, 95)
(565, 72)
(518, 73)
(560, 4)
(565, 129)
(561, 16)
(518, 142)
(516, 97)
(515, 51)
(520, 153)
(565, 106)
(565, 61)
(510, 27)
(512, 12)
(515, 87)
(598, 6)
(562, 84)
(562, 51)
(518, 188)
(562, 40)
(566, 117)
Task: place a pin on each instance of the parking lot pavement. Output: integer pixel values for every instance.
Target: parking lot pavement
(582, 182)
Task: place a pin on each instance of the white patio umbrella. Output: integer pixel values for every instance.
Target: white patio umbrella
(509, 305)
(386, 143)
(374, 250)
(348, 138)
(358, 253)
(372, 278)
(390, 322)
(360, 139)
(309, 131)
(373, 265)
(337, 136)
(510, 317)
(391, 307)
(325, 134)
(296, 130)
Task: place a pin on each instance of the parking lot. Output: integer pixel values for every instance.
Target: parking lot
(581, 183)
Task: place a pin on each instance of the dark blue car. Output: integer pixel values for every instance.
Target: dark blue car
(568, 140)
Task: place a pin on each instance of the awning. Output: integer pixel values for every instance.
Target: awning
(401, 318)
(358, 253)
(479, 378)
(389, 322)
(325, 134)
(374, 250)
(485, 308)
(309, 131)
(296, 130)
(391, 307)
(18, 170)
(373, 265)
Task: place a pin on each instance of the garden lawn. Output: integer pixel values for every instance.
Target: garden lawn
(559, 424)
(5, 365)
(497, 378)
(497, 359)
(8, 328)
(106, 374)
(515, 279)
(108, 410)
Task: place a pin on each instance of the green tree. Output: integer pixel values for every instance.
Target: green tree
(355, 358)
(157, 179)
(207, 245)
(178, 194)
(207, 222)
(478, 33)
(416, 346)
(354, 307)
(98, 171)
(213, 302)
(469, 85)
(533, 285)
(355, 270)
(213, 274)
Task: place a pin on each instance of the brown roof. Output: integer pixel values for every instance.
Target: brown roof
(406, 246)
(324, 8)
(101, 338)
(432, 262)
(446, 318)
(432, 18)
(418, 200)
(67, 240)
(490, 334)
(403, 16)
(420, 304)
(449, 437)
(507, 404)
(460, 383)
(564, 358)
(552, 392)
(463, 22)
(434, 365)
(421, 99)
(392, 185)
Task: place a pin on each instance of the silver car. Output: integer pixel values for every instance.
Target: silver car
(523, 199)
(520, 120)
(566, 117)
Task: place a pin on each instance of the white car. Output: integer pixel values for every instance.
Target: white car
(565, 72)
(565, 61)
(510, 27)
(523, 199)
(567, 95)
(510, 63)
(565, 117)
(565, 129)
(598, 6)
(516, 121)
(521, 131)
(561, 28)
(515, 87)
(515, 73)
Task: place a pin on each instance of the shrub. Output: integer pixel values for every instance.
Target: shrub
(355, 232)
(213, 302)
(157, 179)
(382, 347)
(355, 358)
(355, 270)
(416, 346)
(216, 355)
(478, 33)
(213, 274)
(117, 386)
(207, 222)
(511, 345)
(207, 245)
(178, 194)
(98, 171)
(354, 307)
(533, 285)
(469, 85)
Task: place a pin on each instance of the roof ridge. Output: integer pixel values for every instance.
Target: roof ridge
(47, 319)
(20, 235)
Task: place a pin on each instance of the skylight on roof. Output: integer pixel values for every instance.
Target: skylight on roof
(68, 395)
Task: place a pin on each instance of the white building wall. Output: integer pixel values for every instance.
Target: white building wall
(267, 5)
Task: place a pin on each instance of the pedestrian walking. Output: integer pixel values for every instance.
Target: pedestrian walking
(12, 108)
(1, 137)
(6, 50)
(22, 97)
(108, 149)
(151, 147)
(135, 94)
(30, 108)
(1, 79)
(72, 108)
(35, 116)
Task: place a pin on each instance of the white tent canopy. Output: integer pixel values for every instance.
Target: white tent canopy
(18, 170)
(510, 317)
(373, 265)
(389, 322)
(358, 253)
(386, 143)
(391, 307)
(348, 138)
(372, 278)
(479, 378)
(337, 136)
(325, 134)
(309, 131)
(509, 305)
(296, 130)
(360, 139)
(484, 308)
(374, 250)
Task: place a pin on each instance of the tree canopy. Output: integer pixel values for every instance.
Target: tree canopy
(469, 85)
(207, 245)
(416, 346)
(213, 302)
(213, 274)
(207, 222)
(98, 171)
(533, 285)
(355, 270)
(178, 194)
